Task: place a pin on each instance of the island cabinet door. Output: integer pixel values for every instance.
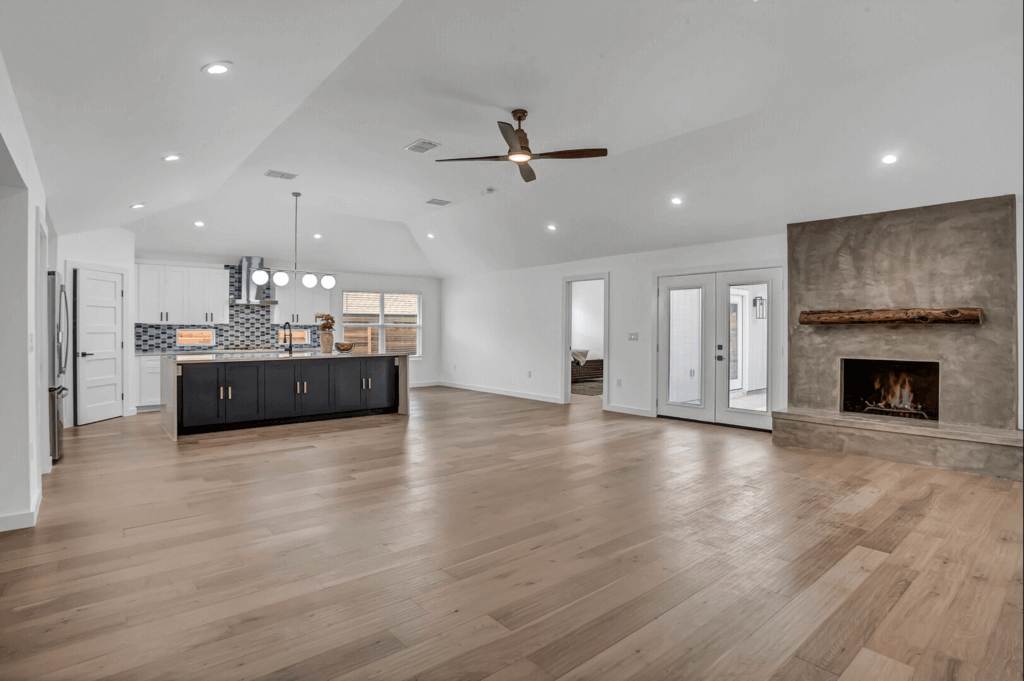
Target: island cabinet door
(282, 381)
(347, 379)
(377, 371)
(316, 386)
(243, 391)
(202, 394)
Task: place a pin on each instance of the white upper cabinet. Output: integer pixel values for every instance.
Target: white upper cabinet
(298, 304)
(175, 303)
(150, 290)
(182, 295)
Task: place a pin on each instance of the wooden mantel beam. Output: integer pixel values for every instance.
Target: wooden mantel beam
(912, 315)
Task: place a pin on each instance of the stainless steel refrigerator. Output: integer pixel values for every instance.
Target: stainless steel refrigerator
(58, 339)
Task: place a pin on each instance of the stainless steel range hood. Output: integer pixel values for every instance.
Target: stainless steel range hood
(252, 293)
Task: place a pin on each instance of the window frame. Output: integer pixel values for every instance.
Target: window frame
(382, 326)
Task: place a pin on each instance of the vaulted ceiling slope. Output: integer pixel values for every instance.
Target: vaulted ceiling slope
(754, 113)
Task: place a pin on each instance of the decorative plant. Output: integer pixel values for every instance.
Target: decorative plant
(328, 324)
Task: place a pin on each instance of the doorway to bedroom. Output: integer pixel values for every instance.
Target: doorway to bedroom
(587, 349)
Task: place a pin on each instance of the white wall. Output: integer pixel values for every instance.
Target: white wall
(427, 369)
(588, 317)
(21, 351)
(500, 325)
(112, 246)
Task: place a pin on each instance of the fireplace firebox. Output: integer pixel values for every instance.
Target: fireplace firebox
(882, 387)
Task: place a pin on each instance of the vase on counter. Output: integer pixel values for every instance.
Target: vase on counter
(326, 341)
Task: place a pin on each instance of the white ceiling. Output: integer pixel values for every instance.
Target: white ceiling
(758, 113)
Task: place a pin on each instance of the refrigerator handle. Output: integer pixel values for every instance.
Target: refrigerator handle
(64, 332)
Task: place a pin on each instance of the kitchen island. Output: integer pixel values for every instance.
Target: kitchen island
(205, 393)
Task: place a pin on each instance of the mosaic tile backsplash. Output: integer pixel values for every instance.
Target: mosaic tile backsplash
(248, 326)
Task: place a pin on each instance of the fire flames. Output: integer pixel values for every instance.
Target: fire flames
(895, 395)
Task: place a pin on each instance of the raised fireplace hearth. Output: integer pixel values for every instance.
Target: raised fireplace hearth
(882, 387)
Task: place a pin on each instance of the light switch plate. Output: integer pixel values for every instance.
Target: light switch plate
(634, 335)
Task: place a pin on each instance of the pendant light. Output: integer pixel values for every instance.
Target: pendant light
(282, 278)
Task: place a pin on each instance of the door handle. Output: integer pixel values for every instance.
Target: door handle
(719, 358)
(222, 392)
(86, 354)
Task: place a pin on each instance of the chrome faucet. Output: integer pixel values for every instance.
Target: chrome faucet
(288, 329)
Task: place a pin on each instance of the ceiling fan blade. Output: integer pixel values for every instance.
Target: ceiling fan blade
(527, 172)
(573, 153)
(509, 133)
(475, 158)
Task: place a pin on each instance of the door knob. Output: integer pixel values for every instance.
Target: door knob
(719, 357)
(86, 354)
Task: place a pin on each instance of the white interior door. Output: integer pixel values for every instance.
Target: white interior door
(686, 358)
(100, 372)
(745, 346)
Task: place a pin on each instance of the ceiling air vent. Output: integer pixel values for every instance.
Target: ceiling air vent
(438, 202)
(422, 146)
(279, 175)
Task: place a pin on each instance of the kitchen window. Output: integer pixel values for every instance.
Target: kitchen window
(382, 322)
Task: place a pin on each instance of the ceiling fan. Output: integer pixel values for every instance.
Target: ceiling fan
(519, 149)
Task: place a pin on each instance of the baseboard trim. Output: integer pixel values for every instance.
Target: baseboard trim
(147, 408)
(629, 410)
(507, 393)
(18, 521)
(425, 384)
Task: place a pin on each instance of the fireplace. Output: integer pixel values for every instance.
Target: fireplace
(882, 387)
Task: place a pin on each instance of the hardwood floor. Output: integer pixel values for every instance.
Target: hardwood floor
(486, 537)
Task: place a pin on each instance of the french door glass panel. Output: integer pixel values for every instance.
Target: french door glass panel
(685, 345)
(748, 348)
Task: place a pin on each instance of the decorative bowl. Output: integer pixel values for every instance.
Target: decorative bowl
(343, 347)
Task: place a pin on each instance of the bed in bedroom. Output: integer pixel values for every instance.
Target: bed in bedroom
(585, 366)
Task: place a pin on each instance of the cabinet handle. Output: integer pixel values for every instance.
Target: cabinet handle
(304, 387)
(229, 392)
(222, 392)
(296, 387)
(370, 381)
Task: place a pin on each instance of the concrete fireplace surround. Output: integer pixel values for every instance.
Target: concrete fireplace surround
(954, 254)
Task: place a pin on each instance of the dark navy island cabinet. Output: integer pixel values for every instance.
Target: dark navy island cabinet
(243, 394)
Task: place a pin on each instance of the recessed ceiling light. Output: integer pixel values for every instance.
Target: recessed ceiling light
(676, 200)
(200, 223)
(430, 236)
(172, 157)
(317, 236)
(217, 68)
(889, 159)
(138, 205)
(552, 227)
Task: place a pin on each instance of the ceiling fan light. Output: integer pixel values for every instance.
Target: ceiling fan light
(519, 157)
(328, 281)
(309, 280)
(260, 277)
(281, 278)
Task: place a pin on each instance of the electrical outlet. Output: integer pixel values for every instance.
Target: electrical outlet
(634, 335)
(529, 374)
(692, 373)
(618, 382)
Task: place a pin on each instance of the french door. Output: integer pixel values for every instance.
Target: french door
(715, 344)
